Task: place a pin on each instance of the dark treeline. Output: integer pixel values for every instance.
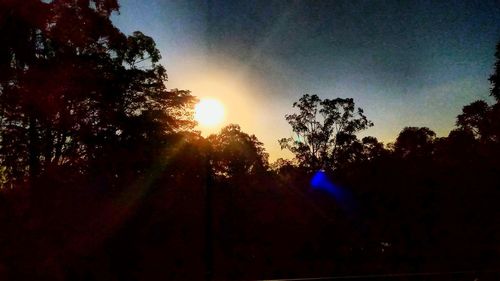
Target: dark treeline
(104, 177)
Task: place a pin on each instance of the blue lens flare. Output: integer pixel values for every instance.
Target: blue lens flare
(320, 181)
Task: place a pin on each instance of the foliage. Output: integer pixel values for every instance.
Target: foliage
(236, 153)
(76, 92)
(495, 76)
(325, 131)
(84, 108)
(414, 142)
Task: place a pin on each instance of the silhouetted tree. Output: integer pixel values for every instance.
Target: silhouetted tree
(282, 165)
(357, 151)
(474, 119)
(237, 154)
(83, 106)
(325, 131)
(495, 76)
(78, 95)
(414, 142)
(372, 148)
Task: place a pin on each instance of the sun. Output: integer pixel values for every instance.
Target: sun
(209, 112)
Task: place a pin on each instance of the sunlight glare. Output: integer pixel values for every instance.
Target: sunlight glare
(209, 112)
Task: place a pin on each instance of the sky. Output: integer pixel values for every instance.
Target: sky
(406, 63)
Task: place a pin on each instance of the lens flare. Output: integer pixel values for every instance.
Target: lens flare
(320, 181)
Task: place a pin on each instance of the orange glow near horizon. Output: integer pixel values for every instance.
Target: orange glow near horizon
(241, 94)
(224, 93)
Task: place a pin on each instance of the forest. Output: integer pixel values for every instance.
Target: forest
(104, 176)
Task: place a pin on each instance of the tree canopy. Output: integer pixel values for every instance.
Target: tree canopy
(495, 76)
(120, 186)
(414, 142)
(324, 130)
(75, 92)
(237, 154)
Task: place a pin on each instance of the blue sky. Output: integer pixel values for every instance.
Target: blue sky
(406, 63)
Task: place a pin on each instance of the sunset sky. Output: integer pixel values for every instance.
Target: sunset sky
(406, 63)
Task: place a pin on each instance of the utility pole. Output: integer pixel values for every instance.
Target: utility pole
(209, 259)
